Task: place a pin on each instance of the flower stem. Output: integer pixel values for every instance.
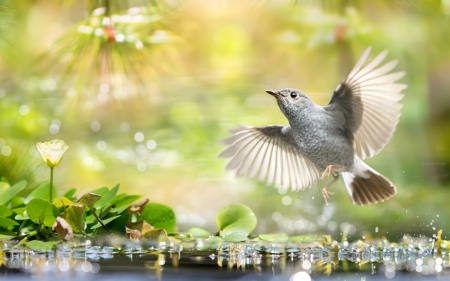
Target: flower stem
(51, 184)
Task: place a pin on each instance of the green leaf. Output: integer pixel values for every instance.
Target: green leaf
(236, 218)
(235, 237)
(7, 192)
(103, 212)
(5, 222)
(74, 216)
(183, 236)
(159, 216)
(89, 200)
(107, 197)
(21, 217)
(105, 221)
(118, 210)
(41, 192)
(42, 212)
(6, 237)
(5, 211)
(69, 194)
(16, 201)
(214, 239)
(62, 202)
(199, 232)
(100, 191)
(117, 198)
(90, 219)
(3, 179)
(40, 246)
(127, 201)
(274, 237)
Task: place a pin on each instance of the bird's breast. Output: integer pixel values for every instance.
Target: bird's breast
(323, 144)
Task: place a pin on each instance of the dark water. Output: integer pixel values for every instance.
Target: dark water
(197, 260)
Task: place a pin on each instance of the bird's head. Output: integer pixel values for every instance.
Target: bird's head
(291, 101)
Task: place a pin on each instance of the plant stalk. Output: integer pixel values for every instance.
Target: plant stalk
(21, 226)
(25, 239)
(51, 184)
(100, 221)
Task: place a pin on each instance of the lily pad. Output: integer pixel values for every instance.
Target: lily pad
(159, 216)
(236, 219)
(40, 246)
(274, 237)
(199, 232)
(235, 237)
(7, 192)
(42, 212)
(304, 238)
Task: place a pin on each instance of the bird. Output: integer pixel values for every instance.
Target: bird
(320, 141)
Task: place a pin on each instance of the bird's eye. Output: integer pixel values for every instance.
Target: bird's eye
(294, 95)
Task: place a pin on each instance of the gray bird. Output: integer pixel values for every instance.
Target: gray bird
(333, 139)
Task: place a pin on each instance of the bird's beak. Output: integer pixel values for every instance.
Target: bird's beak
(275, 94)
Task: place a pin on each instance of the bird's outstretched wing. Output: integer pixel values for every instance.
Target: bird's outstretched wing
(369, 100)
(270, 154)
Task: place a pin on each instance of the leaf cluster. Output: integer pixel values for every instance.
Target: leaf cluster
(101, 211)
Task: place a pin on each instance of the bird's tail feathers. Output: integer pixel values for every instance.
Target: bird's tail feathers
(365, 186)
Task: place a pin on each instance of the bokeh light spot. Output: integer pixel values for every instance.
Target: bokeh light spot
(287, 200)
(101, 145)
(141, 167)
(139, 137)
(6, 150)
(301, 276)
(96, 126)
(24, 110)
(151, 144)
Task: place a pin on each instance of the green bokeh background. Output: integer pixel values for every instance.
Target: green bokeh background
(144, 98)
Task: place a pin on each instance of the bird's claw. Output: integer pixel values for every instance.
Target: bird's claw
(328, 171)
(326, 194)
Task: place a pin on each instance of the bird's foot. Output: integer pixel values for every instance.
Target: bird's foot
(326, 194)
(329, 170)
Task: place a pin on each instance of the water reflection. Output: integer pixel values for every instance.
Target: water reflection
(296, 261)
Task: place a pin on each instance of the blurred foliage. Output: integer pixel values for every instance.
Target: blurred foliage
(150, 115)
